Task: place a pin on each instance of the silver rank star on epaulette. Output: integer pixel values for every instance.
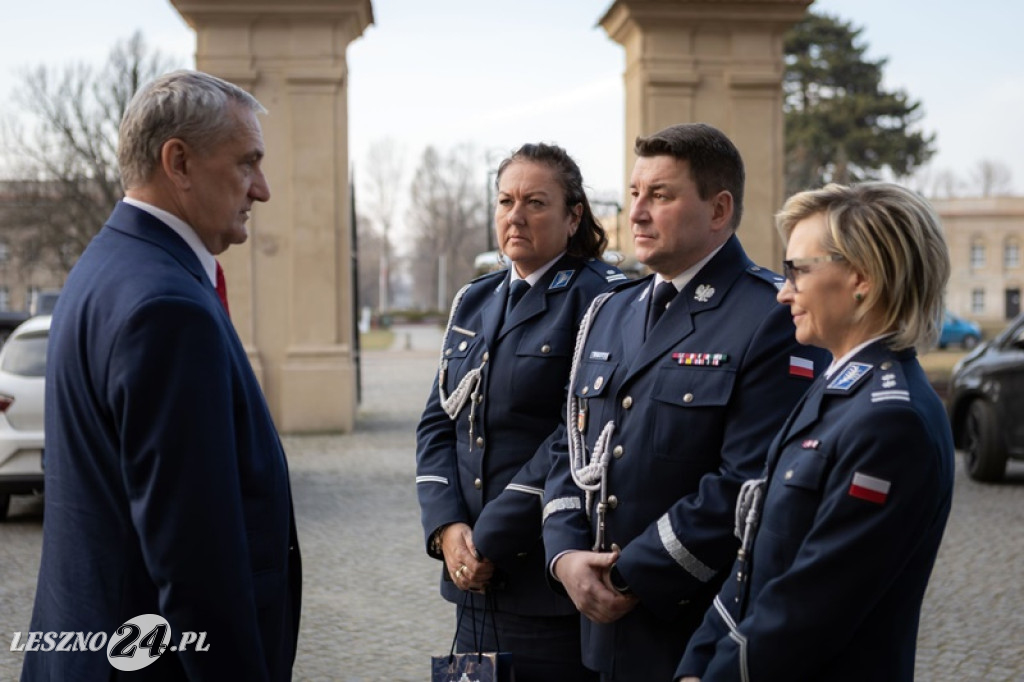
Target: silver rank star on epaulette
(889, 382)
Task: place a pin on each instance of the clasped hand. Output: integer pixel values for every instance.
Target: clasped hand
(586, 577)
(468, 570)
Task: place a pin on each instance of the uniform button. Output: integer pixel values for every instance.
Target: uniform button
(886, 365)
(480, 441)
(463, 346)
(688, 398)
(486, 356)
(613, 501)
(447, 351)
(545, 349)
(627, 402)
(478, 484)
(585, 390)
(616, 548)
(789, 474)
(617, 452)
(598, 383)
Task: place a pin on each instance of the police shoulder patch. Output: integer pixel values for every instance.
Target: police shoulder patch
(562, 278)
(849, 377)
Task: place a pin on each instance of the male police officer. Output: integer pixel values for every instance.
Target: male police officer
(679, 382)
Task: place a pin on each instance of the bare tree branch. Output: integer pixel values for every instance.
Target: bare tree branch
(67, 175)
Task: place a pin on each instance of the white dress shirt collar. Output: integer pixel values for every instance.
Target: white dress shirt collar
(534, 276)
(682, 279)
(836, 364)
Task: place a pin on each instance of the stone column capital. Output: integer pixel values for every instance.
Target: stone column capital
(204, 11)
(624, 17)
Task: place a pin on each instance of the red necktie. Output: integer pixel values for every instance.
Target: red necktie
(222, 289)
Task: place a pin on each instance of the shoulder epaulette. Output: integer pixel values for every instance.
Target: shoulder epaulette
(497, 274)
(773, 278)
(607, 271)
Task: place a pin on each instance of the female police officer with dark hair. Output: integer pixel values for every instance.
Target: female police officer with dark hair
(497, 398)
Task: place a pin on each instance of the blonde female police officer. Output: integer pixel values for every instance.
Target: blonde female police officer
(498, 395)
(829, 583)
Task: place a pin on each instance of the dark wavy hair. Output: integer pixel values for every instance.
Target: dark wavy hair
(590, 239)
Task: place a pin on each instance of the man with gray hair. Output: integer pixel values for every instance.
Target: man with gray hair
(169, 524)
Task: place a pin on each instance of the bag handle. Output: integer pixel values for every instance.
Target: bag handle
(490, 605)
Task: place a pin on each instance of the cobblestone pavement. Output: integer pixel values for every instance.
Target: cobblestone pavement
(371, 609)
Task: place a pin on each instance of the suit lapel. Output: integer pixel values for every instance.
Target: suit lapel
(491, 315)
(805, 414)
(535, 302)
(135, 222)
(705, 291)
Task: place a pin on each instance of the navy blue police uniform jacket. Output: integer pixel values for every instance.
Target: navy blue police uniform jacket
(859, 485)
(694, 407)
(514, 374)
(167, 489)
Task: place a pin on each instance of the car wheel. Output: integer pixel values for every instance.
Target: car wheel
(985, 459)
(969, 342)
(5, 501)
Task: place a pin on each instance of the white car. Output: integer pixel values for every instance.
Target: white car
(22, 371)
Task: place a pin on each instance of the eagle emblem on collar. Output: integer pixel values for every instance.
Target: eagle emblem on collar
(704, 293)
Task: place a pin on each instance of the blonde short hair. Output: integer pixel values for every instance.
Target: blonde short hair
(893, 238)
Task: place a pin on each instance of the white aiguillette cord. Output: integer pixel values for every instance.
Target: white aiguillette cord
(469, 387)
(589, 476)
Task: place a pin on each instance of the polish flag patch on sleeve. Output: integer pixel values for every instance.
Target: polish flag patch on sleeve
(869, 488)
(801, 367)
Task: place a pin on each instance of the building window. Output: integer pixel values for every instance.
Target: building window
(4, 254)
(5, 299)
(1011, 254)
(977, 254)
(978, 301)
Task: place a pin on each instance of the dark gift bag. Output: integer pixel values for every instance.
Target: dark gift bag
(478, 666)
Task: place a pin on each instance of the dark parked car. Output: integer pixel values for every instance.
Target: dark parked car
(986, 404)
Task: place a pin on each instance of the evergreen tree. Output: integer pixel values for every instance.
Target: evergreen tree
(841, 125)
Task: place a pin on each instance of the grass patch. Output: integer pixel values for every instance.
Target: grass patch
(939, 363)
(376, 339)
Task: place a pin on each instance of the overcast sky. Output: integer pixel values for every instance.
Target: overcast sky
(497, 74)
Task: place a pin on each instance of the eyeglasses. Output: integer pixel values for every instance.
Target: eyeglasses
(790, 268)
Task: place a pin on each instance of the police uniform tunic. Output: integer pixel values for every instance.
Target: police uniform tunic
(693, 408)
(504, 383)
(859, 486)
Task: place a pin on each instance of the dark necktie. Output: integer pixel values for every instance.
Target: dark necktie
(516, 291)
(222, 289)
(663, 295)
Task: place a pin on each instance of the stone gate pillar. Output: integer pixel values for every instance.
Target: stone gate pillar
(290, 286)
(717, 62)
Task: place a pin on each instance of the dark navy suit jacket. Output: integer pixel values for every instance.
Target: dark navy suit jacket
(690, 427)
(465, 467)
(859, 487)
(167, 489)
